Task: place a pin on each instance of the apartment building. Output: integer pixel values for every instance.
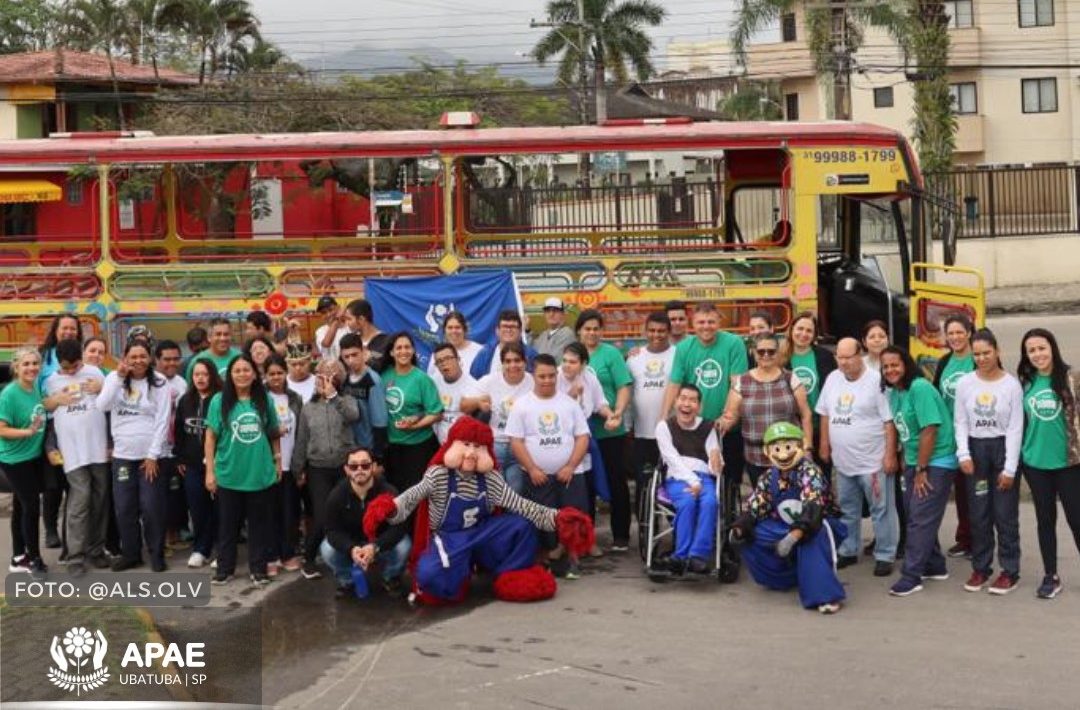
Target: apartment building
(1014, 68)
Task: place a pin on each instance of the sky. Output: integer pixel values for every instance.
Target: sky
(319, 32)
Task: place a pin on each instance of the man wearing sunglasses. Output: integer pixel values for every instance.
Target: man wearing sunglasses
(346, 544)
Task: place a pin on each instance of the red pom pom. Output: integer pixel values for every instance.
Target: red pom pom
(276, 303)
(575, 530)
(377, 512)
(525, 585)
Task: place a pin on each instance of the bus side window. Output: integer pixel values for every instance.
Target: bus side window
(828, 224)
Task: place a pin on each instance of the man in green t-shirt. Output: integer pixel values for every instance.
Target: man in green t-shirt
(221, 351)
(708, 361)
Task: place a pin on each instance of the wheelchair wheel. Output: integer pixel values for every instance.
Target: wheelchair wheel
(730, 563)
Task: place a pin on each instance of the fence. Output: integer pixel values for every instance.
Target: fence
(1012, 201)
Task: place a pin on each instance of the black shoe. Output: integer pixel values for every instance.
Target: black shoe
(883, 568)
(393, 587)
(221, 578)
(677, 567)
(99, 562)
(846, 561)
(52, 539)
(311, 570)
(158, 566)
(698, 566)
(76, 569)
(343, 591)
(120, 564)
(38, 568)
(259, 579)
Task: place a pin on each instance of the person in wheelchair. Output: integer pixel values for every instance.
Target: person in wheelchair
(690, 452)
(791, 526)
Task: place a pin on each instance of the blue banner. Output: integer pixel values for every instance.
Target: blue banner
(420, 304)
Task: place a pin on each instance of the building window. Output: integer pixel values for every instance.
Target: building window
(787, 27)
(18, 219)
(960, 14)
(791, 107)
(1040, 95)
(963, 98)
(1036, 13)
(73, 192)
(883, 97)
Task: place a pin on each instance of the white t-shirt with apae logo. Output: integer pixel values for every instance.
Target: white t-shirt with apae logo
(651, 372)
(548, 427)
(81, 428)
(856, 412)
(451, 394)
(503, 398)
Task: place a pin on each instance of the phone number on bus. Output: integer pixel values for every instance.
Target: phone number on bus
(869, 155)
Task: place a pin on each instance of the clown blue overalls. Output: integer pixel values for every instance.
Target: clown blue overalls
(791, 525)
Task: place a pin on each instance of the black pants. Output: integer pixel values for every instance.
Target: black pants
(139, 504)
(53, 485)
(320, 481)
(176, 510)
(734, 462)
(25, 480)
(1047, 486)
(233, 507)
(286, 536)
(614, 450)
(406, 463)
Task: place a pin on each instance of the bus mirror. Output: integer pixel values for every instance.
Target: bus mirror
(948, 239)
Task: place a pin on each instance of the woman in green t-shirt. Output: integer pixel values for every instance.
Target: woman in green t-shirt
(925, 429)
(957, 362)
(243, 462)
(1051, 447)
(414, 406)
(22, 433)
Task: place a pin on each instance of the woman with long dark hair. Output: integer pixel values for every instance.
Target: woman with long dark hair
(955, 364)
(925, 430)
(284, 554)
(414, 406)
(989, 418)
(189, 435)
(139, 408)
(1051, 445)
(243, 462)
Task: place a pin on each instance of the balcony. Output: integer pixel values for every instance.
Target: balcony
(965, 47)
(969, 133)
(779, 60)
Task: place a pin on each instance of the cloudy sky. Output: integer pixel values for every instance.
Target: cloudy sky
(320, 32)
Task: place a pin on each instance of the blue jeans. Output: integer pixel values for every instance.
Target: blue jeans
(922, 553)
(992, 510)
(140, 510)
(392, 560)
(509, 467)
(852, 491)
(695, 518)
(202, 508)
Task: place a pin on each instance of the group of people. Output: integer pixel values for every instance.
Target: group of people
(300, 447)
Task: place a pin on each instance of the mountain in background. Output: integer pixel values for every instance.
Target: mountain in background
(369, 61)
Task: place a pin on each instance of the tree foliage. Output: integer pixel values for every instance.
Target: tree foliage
(750, 102)
(935, 119)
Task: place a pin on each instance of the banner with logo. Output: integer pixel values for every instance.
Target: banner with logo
(419, 305)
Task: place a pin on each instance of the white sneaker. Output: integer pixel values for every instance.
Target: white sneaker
(19, 564)
(196, 560)
(213, 564)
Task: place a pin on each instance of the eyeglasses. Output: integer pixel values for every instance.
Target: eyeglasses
(444, 360)
(365, 466)
(765, 352)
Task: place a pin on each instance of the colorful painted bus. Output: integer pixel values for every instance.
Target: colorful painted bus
(782, 217)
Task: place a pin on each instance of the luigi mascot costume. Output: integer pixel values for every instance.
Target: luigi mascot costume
(791, 527)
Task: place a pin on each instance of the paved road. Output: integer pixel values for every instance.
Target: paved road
(1011, 328)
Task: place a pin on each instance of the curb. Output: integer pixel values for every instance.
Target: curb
(1000, 309)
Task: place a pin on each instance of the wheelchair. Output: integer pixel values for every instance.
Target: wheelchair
(656, 532)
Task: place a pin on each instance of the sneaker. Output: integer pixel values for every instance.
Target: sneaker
(38, 567)
(883, 568)
(829, 608)
(559, 567)
(393, 587)
(121, 563)
(19, 564)
(1004, 584)
(905, 587)
(698, 566)
(76, 569)
(293, 564)
(937, 575)
(959, 550)
(619, 546)
(213, 564)
(100, 562)
(843, 561)
(310, 571)
(1050, 587)
(196, 560)
(221, 578)
(595, 551)
(573, 570)
(677, 567)
(343, 591)
(273, 568)
(259, 579)
(976, 582)
(158, 566)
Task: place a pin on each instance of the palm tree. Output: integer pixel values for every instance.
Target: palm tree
(613, 34)
(97, 25)
(834, 34)
(143, 26)
(215, 27)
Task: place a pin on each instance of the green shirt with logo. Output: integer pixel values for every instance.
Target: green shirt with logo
(19, 408)
(1046, 439)
(221, 362)
(413, 394)
(955, 368)
(804, 366)
(243, 460)
(610, 369)
(710, 368)
(915, 409)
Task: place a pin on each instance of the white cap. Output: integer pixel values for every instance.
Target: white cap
(555, 303)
